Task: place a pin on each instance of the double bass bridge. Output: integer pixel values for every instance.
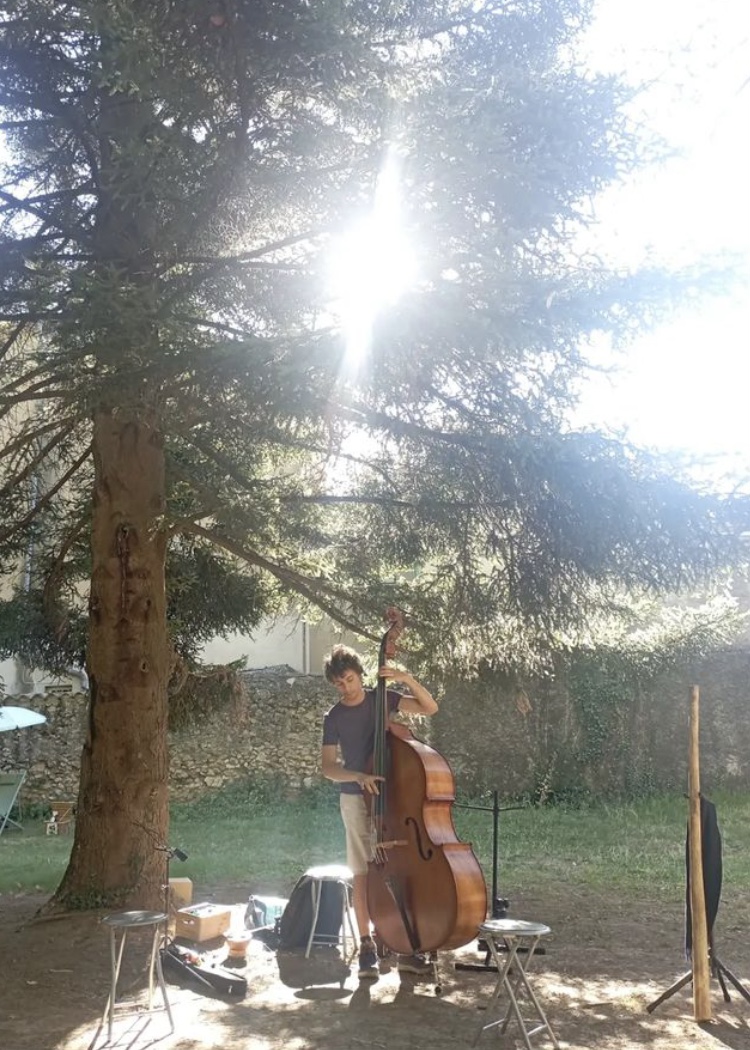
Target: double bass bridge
(381, 849)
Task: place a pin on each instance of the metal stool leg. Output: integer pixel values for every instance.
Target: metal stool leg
(545, 1025)
(163, 986)
(524, 979)
(151, 967)
(347, 919)
(503, 970)
(316, 887)
(344, 916)
(115, 962)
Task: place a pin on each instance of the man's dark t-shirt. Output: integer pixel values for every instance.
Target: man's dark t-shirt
(353, 729)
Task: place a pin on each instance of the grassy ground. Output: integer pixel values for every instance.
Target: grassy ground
(241, 838)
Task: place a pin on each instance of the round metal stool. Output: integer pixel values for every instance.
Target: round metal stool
(342, 876)
(131, 920)
(512, 935)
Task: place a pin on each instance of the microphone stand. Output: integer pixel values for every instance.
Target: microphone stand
(170, 853)
(184, 966)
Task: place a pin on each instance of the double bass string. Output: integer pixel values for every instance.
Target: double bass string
(378, 803)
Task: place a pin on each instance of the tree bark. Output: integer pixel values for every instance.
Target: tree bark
(123, 797)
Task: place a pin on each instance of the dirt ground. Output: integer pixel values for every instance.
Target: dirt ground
(605, 960)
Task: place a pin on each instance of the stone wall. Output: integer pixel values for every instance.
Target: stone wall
(50, 753)
(272, 727)
(494, 736)
(539, 741)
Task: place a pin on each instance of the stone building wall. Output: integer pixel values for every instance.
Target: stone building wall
(493, 737)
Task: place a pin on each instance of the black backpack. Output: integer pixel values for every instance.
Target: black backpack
(297, 917)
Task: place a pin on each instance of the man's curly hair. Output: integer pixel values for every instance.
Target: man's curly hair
(340, 660)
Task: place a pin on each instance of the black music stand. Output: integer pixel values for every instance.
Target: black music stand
(500, 905)
(712, 879)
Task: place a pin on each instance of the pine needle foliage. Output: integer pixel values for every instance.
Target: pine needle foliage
(176, 175)
(176, 387)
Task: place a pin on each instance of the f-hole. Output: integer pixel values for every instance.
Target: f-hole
(424, 854)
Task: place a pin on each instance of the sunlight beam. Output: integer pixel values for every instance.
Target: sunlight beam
(371, 266)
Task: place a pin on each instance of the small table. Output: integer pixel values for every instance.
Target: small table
(131, 920)
(510, 935)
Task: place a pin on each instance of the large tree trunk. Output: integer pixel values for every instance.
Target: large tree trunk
(123, 798)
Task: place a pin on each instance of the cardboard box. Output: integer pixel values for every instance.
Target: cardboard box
(181, 892)
(203, 922)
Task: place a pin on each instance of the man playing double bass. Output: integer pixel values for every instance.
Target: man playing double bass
(350, 726)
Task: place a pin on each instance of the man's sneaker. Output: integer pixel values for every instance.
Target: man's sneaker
(380, 946)
(368, 959)
(414, 964)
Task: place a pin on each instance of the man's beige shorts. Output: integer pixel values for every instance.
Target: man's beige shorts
(359, 832)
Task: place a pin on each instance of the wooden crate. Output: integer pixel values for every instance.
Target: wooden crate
(203, 922)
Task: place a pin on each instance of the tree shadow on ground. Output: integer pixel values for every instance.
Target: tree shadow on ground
(604, 965)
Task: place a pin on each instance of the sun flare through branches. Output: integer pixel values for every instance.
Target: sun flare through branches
(371, 266)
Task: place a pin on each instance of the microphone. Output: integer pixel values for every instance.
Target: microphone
(173, 852)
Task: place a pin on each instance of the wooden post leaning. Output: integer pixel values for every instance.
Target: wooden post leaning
(700, 960)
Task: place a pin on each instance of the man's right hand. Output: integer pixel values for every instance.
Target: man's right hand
(369, 783)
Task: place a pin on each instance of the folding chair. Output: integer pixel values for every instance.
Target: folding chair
(10, 785)
(62, 818)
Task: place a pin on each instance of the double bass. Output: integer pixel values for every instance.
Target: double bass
(425, 888)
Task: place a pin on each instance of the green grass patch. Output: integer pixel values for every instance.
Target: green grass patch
(244, 837)
(32, 861)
